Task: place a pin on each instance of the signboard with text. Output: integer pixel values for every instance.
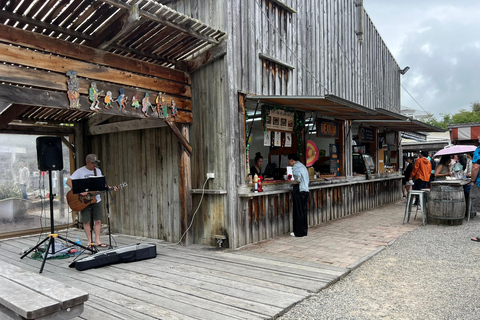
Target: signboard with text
(327, 128)
(366, 135)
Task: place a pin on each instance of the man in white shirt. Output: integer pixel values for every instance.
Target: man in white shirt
(300, 196)
(23, 178)
(94, 211)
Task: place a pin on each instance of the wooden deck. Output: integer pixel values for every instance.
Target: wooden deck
(182, 283)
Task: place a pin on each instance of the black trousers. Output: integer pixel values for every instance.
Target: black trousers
(300, 213)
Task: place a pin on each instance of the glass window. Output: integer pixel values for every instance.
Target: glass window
(25, 190)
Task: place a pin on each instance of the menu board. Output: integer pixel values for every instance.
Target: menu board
(334, 160)
(279, 120)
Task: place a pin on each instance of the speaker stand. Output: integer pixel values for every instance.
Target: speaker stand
(52, 235)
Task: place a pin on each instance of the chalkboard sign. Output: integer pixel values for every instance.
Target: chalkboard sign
(367, 167)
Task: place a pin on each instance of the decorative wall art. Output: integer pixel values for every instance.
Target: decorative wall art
(163, 109)
(73, 90)
(108, 100)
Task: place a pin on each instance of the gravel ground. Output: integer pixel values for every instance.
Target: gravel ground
(432, 272)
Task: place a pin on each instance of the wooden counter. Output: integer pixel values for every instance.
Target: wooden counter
(267, 214)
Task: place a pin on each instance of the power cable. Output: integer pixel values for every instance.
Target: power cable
(193, 216)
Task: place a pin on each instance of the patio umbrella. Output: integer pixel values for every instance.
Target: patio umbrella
(456, 150)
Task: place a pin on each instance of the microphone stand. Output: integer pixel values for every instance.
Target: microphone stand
(108, 211)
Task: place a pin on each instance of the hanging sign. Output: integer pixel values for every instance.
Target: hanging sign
(288, 140)
(327, 128)
(278, 139)
(279, 120)
(366, 135)
(267, 139)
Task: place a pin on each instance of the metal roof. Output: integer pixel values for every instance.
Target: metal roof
(141, 29)
(334, 106)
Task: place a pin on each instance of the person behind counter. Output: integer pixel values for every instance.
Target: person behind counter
(443, 168)
(257, 167)
(300, 196)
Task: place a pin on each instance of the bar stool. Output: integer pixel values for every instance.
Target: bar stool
(422, 202)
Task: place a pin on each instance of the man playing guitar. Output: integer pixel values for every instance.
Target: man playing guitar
(94, 210)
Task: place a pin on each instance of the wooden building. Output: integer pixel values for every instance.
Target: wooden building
(216, 65)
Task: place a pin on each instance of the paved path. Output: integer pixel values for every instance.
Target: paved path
(344, 243)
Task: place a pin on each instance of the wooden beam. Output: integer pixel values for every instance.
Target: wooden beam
(11, 114)
(130, 24)
(68, 144)
(121, 126)
(181, 139)
(52, 99)
(37, 130)
(152, 56)
(204, 58)
(58, 81)
(83, 53)
(185, 184)
(98, 119)
(4, 105)
(166, 11)
(34, 59)
(43, 25)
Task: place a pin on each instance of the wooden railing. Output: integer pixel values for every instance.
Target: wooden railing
(266, 215)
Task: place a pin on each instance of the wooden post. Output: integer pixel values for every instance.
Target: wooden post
(184, 169)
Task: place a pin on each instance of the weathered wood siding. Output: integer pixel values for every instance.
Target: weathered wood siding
(148, 161)
(212, 140)
(320, 42)
(271, 51)
(265, 216)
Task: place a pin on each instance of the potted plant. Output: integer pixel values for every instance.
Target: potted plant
(12, 206)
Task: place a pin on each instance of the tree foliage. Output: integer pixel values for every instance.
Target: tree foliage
(463, 116)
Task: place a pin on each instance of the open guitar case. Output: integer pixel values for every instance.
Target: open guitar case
(129, 253)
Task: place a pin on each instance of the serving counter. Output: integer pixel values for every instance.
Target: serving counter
(267, 214)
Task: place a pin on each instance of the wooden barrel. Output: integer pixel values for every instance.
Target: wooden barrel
(446, 204)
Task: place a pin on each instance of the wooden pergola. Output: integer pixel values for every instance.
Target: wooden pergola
(119, 44)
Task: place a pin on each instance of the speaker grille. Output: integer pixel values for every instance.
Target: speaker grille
(49, 153)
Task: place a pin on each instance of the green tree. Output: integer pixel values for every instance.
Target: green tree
(463, 116)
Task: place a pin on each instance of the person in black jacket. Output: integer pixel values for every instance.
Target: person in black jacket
(406, 186)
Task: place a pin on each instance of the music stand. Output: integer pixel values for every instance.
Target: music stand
(88, 185)
(52, 235)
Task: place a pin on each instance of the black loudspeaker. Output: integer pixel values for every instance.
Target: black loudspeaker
(49, 153)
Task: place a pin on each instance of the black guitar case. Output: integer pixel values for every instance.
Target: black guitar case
(129, 253)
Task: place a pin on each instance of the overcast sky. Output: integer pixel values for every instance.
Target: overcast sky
(440, 41)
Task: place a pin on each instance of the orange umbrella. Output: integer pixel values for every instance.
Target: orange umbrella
(312, 153)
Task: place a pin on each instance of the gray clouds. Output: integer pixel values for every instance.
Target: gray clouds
(440, 41)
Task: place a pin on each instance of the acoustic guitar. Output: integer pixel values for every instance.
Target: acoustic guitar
(77, 202)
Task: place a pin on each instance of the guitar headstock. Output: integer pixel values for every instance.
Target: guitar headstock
(122, 185)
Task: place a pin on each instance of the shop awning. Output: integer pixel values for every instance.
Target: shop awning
(336, 107)
(330, 105)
